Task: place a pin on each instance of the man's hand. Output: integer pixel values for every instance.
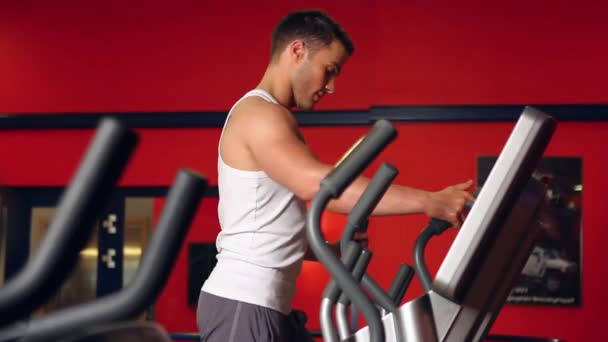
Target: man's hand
(449, 204)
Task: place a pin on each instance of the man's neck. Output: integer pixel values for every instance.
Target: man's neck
(277, 84)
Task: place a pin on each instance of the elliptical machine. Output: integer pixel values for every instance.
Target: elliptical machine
(483, 262)
(106, 319)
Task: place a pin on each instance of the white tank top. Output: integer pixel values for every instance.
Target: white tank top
(262, 240)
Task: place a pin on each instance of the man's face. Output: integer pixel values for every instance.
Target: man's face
(316, 74)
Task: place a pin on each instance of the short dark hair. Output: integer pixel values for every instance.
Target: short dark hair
(315, 27)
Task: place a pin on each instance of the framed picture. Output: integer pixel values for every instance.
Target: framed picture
(552, 274)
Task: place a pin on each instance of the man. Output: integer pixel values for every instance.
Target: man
(266, 173)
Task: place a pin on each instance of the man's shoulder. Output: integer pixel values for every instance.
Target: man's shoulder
(255, 109)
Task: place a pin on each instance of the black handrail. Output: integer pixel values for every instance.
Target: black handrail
(182, 203)
(73, 223)
(332, 186)
(435, 227)
(357, 221)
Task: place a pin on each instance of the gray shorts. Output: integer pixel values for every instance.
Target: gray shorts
(226, 320)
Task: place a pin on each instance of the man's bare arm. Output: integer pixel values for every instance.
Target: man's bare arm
(273, 139)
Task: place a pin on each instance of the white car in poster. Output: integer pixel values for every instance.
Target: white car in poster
(547, 266)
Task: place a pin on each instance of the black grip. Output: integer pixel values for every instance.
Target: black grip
(349, 258)
(377, 293)
(357, 218)
(79, 207)
(161, 253)
(358, 272)
(400, 283)
(332, 186)
(349, 233)
(437, 226)
(381, 134)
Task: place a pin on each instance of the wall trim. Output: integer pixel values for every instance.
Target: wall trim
(470, 113)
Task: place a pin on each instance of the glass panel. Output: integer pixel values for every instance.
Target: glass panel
(139, 214)
(82, 284)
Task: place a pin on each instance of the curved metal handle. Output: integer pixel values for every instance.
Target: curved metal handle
(332, 186)
(72, 224)
(179, 210)
(332, 291)
(435, 227)
(400, 283)
(357, 271)
(381, 134)
(378, 185)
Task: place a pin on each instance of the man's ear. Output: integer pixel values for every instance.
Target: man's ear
(297, 50)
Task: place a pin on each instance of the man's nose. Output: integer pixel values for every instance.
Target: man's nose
(330, 87)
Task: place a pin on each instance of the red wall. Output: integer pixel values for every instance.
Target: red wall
(69, 55)
(73, 56)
